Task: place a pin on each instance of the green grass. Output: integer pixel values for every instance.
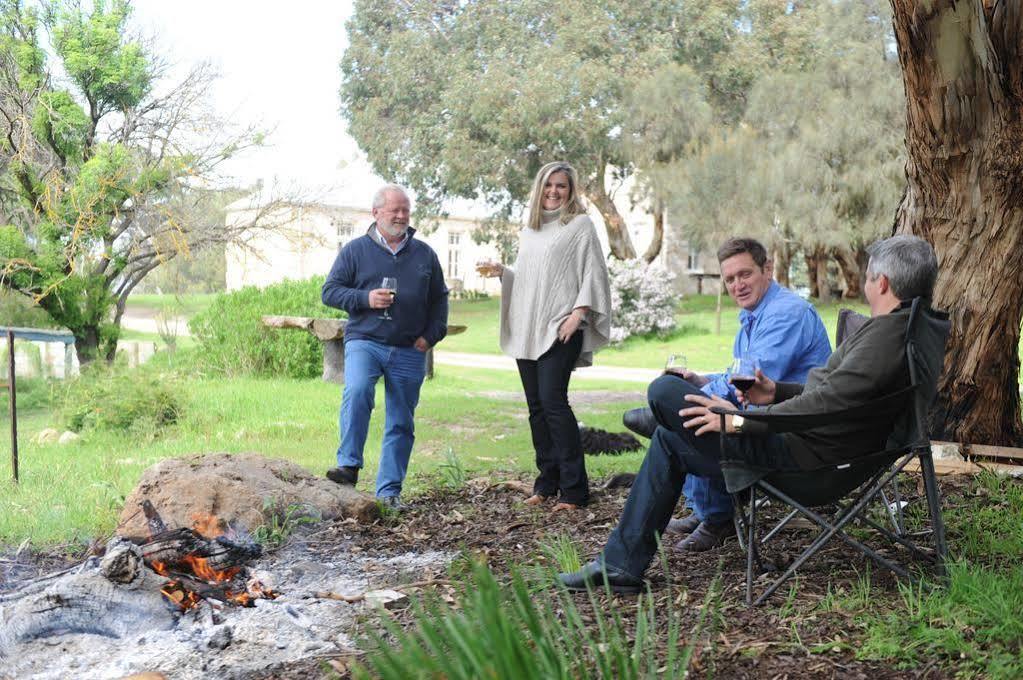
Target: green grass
(973, 622)
(72, 493)
(695, 337)
(183, 305)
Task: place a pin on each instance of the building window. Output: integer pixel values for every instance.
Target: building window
(345, 231)
(693, 260)
(454, 240)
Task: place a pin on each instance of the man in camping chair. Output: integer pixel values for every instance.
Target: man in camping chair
(870, 364)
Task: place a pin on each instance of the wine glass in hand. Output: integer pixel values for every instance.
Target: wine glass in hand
(743, 372)
(676, 364)
(390, 284)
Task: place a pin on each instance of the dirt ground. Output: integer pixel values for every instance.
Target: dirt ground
(790, 637)
(773, 641)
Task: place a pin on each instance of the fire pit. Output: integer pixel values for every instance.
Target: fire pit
(205, 562)
(200, 602)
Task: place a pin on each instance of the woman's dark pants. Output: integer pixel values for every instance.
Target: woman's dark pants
(559, 451)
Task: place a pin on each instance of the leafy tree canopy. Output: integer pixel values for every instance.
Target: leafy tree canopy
(106, 167)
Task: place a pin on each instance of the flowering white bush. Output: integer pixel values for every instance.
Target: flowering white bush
(642, 299)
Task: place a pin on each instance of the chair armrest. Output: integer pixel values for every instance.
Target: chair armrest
(796, 422)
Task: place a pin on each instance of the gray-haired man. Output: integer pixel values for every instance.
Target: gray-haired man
(870, 364)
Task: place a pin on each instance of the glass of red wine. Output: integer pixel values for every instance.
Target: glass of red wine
(743, 372)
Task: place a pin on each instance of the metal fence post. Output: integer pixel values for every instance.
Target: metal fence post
(14, 405)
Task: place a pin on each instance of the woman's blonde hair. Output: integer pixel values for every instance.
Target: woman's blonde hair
(572, 206)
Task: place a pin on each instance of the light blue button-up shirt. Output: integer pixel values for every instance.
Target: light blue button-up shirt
(785, 333)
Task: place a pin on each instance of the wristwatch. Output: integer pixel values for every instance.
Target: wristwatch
(737, 422)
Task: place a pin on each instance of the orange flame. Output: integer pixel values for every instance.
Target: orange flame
(200, 566)
(207, 526)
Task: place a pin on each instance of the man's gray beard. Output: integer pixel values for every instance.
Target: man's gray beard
(392, 231)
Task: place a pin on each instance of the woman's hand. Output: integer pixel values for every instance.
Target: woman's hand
(489, 269)
(761, 393)
(571, 323)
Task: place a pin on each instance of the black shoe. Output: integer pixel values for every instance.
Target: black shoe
(686, 525)
(595, 574)
(343, 475)
(641, 421)
(706, 537)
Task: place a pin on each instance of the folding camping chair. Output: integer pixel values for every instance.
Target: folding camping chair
(852, 485)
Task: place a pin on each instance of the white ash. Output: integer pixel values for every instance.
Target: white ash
(235, 642)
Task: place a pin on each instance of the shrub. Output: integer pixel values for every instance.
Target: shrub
(505, 631)
(233, 341)
(117, 398)
(642, 298)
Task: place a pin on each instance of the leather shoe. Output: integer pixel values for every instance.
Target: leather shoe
(596, 575)
(343, 475)
(707, 536)
(641, 421)
(684, 526)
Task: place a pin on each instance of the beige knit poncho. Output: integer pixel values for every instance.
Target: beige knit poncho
(559, 267)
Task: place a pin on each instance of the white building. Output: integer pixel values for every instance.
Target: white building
(308, 235)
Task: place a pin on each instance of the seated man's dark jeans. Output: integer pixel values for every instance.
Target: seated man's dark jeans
(674, 452)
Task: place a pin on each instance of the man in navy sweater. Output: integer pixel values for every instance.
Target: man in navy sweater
(388, 333)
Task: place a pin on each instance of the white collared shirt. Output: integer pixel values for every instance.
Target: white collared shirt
(383, 241)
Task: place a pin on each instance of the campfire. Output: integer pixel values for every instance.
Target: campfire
(203, 563)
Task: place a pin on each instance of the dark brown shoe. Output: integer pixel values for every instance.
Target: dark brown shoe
(706, 537)
(343, 475)
(684, 526)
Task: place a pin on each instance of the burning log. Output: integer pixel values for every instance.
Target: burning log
(113, 597)
(174, 546)
(204, 562)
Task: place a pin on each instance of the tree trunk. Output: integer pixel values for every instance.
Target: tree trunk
(657, 240)
(86, 344)
(962, 65)
(862, 260)
(817, 272)
(850, 269)
(811, 274)
(617, 232)
(782, 258)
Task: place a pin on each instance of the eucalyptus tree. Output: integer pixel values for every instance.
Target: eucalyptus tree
(105, 164)
(470, 98)
(962, 66)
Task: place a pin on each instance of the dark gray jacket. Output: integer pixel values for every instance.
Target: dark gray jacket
(870, 364)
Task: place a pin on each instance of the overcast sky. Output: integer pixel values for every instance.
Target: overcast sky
(280, 67)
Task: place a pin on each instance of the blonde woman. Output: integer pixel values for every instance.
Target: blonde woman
(555, 312)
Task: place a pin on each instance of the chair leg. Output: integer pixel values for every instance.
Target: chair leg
(900, 528)
(751, 543)
(934, 508)
(890, 511)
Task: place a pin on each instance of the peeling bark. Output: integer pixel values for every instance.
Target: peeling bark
(962, 65)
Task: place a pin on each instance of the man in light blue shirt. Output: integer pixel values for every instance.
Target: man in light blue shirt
(784, 332)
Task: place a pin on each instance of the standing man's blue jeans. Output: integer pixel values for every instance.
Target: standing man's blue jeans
(404, 369)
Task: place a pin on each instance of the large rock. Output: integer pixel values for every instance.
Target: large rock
(240, 489)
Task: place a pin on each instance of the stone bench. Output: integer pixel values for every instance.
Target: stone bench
(331, 332)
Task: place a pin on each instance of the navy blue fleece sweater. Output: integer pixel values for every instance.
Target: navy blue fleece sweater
(419, 309)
